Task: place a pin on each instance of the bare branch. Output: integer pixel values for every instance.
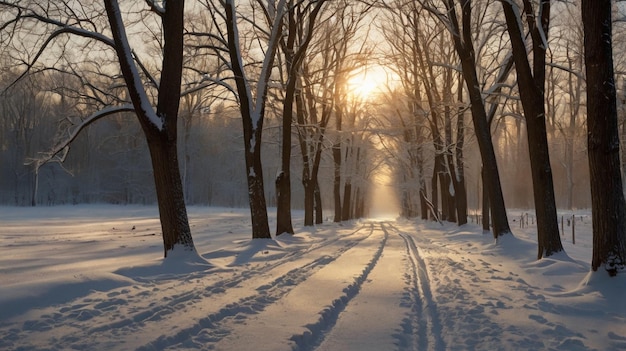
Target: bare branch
(73, 134)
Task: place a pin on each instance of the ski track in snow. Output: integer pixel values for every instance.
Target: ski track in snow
(396, 282)
(427, 327)
(152, 307)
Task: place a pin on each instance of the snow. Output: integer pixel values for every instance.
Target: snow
(127, 60)
(92, 277)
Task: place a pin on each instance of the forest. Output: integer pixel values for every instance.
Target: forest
(456, 108)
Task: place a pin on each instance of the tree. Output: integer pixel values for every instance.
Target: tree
(253, 108)
(158, 125)
(315, 106)
(608, 207)
(463, 43)
(402, 32)
(531, 83)
(301, 35)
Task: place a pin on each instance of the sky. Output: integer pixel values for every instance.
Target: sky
(92, 277)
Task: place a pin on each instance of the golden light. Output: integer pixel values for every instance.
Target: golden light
(368, 82)
(364, 85)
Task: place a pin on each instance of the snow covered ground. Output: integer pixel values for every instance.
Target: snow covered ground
(92, 278)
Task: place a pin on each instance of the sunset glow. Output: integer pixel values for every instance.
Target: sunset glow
(363, 85)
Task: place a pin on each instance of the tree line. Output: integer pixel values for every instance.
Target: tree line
(464, 71)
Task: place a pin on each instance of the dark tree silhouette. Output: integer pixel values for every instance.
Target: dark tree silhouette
(607, 197)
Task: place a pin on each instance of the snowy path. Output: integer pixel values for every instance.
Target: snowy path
(81, 284)
(323, 296)
(386, 299)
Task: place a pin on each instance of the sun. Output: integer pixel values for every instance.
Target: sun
(367, 82)
(363, 86)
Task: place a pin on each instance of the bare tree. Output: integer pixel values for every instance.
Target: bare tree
(301, 22)
(531, 83)
(158, 124)
(402, 33)
(607, 197)
(463, 42)
(252, 107)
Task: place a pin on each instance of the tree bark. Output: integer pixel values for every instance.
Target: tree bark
(161, 141)
(337, 178)
(608, 207)
(252, 116)
(531, 87)
(283, 180)
(486, 210)
(461, 190)
(319, 215)
(293, 62)
(465, 50)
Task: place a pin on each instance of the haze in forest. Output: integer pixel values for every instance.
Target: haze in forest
(109, 162)
(430, 109)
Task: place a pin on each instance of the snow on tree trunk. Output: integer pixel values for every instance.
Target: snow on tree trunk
(253, 111)
(160, 126)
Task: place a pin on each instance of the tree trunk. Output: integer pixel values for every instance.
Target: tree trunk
(169, 191)
(319, 215)
(283, 180)
(161, 139)
(283, 203)
(531, 87)
(491, 176)
(293, 60)
(461, 191)
(256, 191)
(465, 50)
(486, 210)
(309, 201)
(434, 197)
(346, 213)
(452, 187)
(607, 197)
(423, 202)
(337, 180)
(252, 118)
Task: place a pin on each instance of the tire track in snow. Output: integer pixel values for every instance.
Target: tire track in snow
(151, 308)
(215, 326)
(425, 325)
(329, 316)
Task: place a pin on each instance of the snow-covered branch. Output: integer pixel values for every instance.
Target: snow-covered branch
(268, 61)
(133, 79)
(156, 8)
